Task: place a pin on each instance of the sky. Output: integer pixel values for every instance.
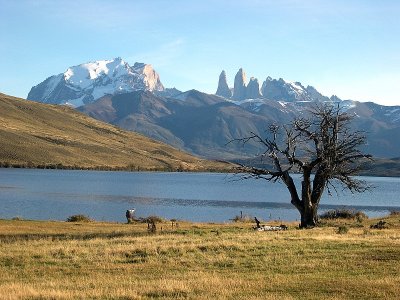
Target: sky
(347, 48)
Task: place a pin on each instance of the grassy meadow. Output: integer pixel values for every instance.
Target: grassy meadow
(96, 260)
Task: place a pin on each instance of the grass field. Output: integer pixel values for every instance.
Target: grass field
(62, 260)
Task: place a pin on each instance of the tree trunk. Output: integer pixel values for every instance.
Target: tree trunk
(309, 209)
(309, 217)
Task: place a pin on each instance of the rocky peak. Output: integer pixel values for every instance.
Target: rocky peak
(151, 78)
(315, 95)
(253, 89)
(223, 88)
(239, 89)
(288, 91)
(266, 85)
(335, 98)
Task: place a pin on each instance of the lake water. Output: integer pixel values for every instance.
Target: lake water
(205, 197)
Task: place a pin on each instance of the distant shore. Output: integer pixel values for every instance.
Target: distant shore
(373, 171)
(128, 168)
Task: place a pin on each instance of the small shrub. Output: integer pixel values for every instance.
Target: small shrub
(360, 217)
(151, 223)
(78, 218)
(380, 225)
(151, 219)
(394, 213)
(344, 214)
(342, 229)
(243, 219)
(17, 218)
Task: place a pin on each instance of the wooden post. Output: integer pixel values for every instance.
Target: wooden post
(257, 222)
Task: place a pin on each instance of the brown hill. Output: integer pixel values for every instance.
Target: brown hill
(41, 135)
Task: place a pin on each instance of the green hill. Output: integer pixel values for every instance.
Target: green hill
(41, 135)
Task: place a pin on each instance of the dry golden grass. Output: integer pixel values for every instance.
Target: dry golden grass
(35, 134)
(58, 260)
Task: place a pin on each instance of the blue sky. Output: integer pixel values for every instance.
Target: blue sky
(348, 48)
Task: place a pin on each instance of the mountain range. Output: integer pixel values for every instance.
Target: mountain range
(134, 98)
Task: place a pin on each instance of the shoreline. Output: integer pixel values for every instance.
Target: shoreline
(129, 168)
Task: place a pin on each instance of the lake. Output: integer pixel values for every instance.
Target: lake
(202, 197)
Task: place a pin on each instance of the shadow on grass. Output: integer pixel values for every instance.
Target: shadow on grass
(10, 238)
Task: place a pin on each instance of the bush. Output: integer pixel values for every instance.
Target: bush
(394, 213)
(243, 219)
(380, 225)
(151, 219)
(344, 214)
(342, 229)
(78, 218)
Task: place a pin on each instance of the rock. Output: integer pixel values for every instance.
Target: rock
(271, 228)
(335, 99)
(223, 89)
(282, 90)
(270, 88)
(253, 89)
(239, 89)
(315, 95)
(150, 78)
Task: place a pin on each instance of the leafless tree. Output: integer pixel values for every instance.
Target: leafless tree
(322, 144)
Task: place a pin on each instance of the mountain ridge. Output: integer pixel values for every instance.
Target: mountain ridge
(204, 123)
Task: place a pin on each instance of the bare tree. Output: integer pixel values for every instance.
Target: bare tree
(322, 144)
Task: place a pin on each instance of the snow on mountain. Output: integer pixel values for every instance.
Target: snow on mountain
(394, 114)
(85, 83)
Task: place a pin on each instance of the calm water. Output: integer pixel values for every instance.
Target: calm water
(56, 194)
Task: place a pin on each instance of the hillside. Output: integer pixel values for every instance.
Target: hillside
(34, 134)
(195, 122)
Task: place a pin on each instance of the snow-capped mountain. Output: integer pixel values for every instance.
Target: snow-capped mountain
(273, 89)
(85, 83)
